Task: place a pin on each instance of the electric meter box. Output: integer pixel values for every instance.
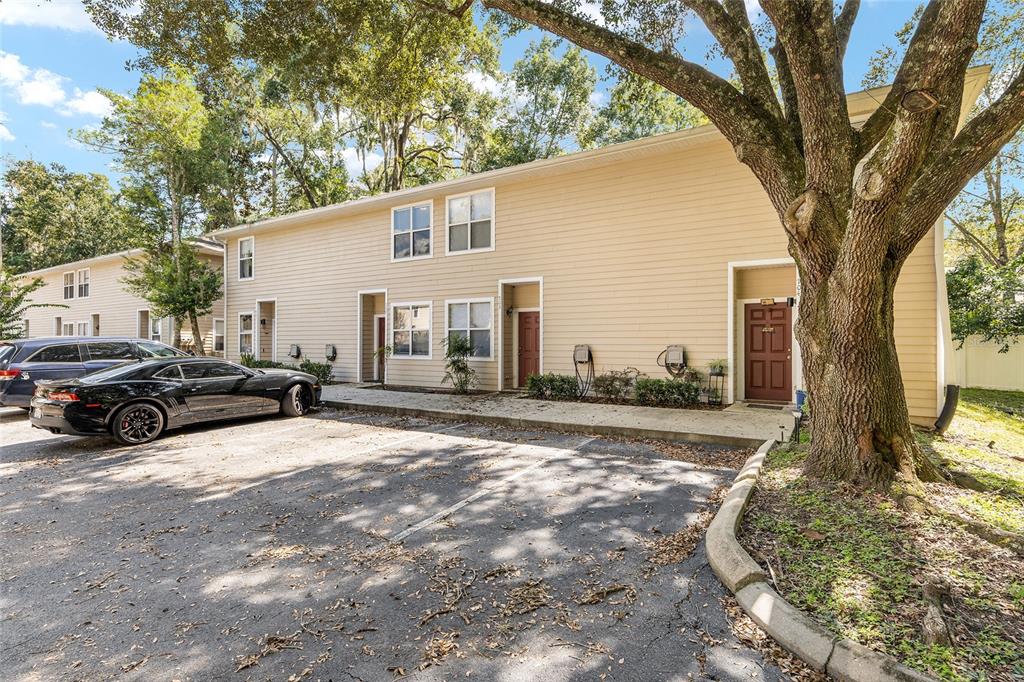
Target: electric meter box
(675, 355)
(581, 353)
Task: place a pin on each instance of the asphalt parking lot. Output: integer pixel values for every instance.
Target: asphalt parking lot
(353, 546)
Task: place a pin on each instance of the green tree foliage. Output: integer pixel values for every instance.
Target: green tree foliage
(384, 82)
(986, 300)
(457, 370)
(173, 150)
(15, 301)
(638, 108)
(49, 215)
(546, 107)
(176, 283)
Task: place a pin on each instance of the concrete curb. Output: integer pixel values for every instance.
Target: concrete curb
(839, 658)
(521, 423)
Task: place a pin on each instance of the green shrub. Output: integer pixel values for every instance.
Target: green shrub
(552, 386)
(248, 360)
(616, 384)
(457, 350)
(666, 392)
(321, 370)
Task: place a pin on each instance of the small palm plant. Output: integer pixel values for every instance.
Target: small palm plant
(457, 351)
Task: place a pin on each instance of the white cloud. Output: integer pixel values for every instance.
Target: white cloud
(48, 124)
(90, 103)
(481, 82)
(5, 134)
(30, 86)
(597, 98)
(67, 15)
(354, 165)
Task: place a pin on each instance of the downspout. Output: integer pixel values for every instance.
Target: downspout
(224, 284)
(946, 368)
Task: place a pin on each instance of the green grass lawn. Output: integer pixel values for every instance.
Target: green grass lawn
(857, 561)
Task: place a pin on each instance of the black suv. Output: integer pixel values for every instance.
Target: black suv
(25, 361)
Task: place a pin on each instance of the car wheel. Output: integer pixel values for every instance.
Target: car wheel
(137, 423)
(296, 401)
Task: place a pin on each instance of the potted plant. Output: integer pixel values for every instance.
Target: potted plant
(457, 351)
(383, 353)
(716, 368)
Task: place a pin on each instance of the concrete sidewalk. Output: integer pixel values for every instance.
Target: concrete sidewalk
(740, 426)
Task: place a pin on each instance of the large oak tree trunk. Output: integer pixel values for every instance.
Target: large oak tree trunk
(860, 426)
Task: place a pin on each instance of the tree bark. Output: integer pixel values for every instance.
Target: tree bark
(860, 426)
(197, 336)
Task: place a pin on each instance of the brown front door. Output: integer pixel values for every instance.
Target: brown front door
(529, 345)
(381, 334)
(768, 365)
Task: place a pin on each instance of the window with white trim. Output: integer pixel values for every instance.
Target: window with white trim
(246, 258)
(82, 329)
(83, 283)
(155, 328)
(218, 335)
(410, 330)
(472, 319)
(411, 231)
(471, 222)
(245, 334)
(67, 329)
(69, 285)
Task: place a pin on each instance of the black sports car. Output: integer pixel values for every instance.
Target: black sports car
(135, 402)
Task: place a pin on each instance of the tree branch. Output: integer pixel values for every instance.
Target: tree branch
(759, 141)
(844, 24)
(731, 27)
(963, 158)
(971, 237)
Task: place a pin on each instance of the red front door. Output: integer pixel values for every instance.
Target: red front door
(529, 345)
(768, 365)
(381, 340)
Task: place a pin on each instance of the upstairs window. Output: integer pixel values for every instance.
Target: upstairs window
(410, 330)
(411, 231)
(69, 285)
(83, 283)
(246, 258)
(471, 222)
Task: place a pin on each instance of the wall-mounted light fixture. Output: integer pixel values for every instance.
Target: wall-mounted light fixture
(294, 351)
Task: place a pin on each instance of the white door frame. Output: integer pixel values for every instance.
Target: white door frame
(539, 281)
(258, 330)
(515, 342)
(359, 326)
(731, 343)
(377, 341)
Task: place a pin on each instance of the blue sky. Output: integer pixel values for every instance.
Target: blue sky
(52, 60)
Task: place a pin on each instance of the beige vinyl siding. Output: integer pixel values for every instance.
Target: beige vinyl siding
(634, 256)
(108, 297)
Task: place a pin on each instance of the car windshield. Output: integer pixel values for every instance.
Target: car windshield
(149, 349)
(115, 373)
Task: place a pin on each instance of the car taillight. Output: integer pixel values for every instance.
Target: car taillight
(62, 396)
(8, 374)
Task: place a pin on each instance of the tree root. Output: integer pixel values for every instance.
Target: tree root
(914, 502)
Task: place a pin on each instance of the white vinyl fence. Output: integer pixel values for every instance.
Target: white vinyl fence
(981, 365)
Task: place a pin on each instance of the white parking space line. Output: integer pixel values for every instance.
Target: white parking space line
(487, 489)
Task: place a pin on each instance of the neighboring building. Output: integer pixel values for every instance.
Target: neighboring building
(98, 304)
(628, 249)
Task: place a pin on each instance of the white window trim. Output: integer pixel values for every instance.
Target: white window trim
(65, 323)
(214, 335)
(252, 258)
(78, 282)
(251, 332)
(447, 320)
(58, 325)
(447, 239)
(160, 325)
(87, 326)
(64, 286)
(391, 235)
(430, 330)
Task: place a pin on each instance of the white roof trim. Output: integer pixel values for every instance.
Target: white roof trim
(203, 247)
(633, 147)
